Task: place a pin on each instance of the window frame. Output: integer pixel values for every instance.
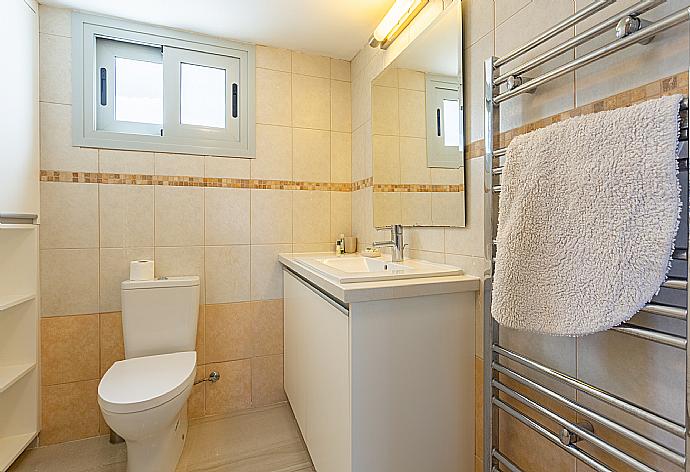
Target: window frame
(86, 28)
(438, 154)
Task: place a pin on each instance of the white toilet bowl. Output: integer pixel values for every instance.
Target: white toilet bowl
(144, 400)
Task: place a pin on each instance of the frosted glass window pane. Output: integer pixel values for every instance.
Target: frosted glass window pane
(202, 96)
(138, 91)
(451, 123)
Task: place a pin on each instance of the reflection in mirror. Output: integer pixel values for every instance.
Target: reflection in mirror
(418, 131)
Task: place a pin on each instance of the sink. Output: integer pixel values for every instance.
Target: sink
(350, 269)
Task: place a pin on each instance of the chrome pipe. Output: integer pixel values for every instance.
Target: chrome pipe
(639, 439)
(667, 311)
(580, 39)
(547, 434)
(606, 397)
(645, 33)
(680, 254)
(678, 284)
(559, 27)
(591, 438)
(507, 463)
(652, 335)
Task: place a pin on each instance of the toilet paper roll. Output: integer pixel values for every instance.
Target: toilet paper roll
(141, 270)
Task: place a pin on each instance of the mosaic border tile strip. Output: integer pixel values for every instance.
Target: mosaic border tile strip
(185, 181)
(675, 84)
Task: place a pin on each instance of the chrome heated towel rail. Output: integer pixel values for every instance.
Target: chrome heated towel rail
(504, 368)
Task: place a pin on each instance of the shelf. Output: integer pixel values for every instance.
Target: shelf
(12, 446)
(17, 226)
(9, 374)
(8, 302)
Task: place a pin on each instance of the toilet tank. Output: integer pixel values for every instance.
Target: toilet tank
(160, 316)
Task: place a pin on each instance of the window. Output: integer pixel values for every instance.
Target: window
(444, 122)
(147, 88)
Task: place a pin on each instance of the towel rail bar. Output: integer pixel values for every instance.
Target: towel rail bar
(639, 439)
(507, 463)
(667, 311)
(553, 438)
(652, 335)
(602, 395)
(561, 26)
(622, 43)
(591, 438)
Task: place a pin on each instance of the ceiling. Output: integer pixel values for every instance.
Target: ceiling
(337, 28)
(436, 49)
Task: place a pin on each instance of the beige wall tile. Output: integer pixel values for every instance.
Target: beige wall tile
(340, 69)
(114, 269)
(411, 80)
(311, 216)
(226, 216)
(387, 78)
(57, 152)
(478, 407)
(69, 281)
(69, 215)
(504, 9)
(479, 20)
(273, 97)
(196, 402)
(69, 411)
(386, 150)
(427, 239)
(311, 155)
(413, 161)
(474, 86)
(448, 208)
(227, 269)
(233, 390)
(53, 20)
(179, 164)
(385, 110)
(387, 208)
(227, 167)
(125, 162)
(311, 102)
(126, 215)
(55, 69)
(314, 247)
(267, 273)
(69, 349)
(111, 340)
(267, 380)
(412, 113)
(273, 153)
(273, 58)
(271, 216)
(179, 216)
(416, 208)
(341, 106)
(470, 240)
(341, 157)
(362, 159)
(178, 261)
(341, 214)
(229, 333)
(311, 64)
(201, 336)
(267, 327)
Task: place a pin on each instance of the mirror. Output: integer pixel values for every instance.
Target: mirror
(418, 130)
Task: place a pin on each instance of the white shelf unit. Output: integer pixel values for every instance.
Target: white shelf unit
(19, 373)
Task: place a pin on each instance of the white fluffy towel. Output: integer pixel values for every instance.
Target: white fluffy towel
(588, 213)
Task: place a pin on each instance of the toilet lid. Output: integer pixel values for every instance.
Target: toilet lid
(141, 383)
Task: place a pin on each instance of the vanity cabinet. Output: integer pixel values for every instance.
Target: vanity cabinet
(381, 385)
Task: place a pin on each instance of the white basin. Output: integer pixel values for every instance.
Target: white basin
(355, 268)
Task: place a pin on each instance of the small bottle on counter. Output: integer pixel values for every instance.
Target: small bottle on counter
(340, 245)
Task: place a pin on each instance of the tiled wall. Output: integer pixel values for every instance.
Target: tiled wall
(405, 189)
(648, 374)
(223, 219)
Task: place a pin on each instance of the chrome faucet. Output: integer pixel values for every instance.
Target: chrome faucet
(396, 242)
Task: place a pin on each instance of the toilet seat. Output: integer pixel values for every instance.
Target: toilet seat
(141, 383)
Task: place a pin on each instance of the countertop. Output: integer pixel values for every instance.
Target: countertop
(380, 290)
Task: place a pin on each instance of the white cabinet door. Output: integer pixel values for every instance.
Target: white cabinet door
(317, 380)
(19, 108)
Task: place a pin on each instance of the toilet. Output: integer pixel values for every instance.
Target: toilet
(144, 397)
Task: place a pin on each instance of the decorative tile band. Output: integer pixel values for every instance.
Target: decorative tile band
(418, 188)
(362, 184)
(675, 84)
(185, 181)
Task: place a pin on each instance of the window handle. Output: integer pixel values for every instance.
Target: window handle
(234, 100)
(438, 122)
(104, 86)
